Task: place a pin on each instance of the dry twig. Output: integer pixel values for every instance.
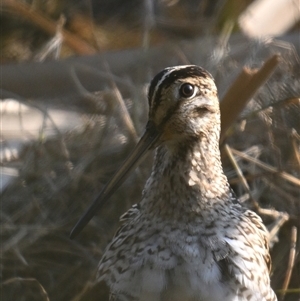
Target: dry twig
(28, 280)
(124, 112)
(267, 167)
(240, 175)
(291, 263)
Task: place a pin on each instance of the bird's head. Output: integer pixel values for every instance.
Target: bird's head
(183, 103)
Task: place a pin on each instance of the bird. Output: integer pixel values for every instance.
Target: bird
(189, 238)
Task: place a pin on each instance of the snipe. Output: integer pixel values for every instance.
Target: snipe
(189, 238)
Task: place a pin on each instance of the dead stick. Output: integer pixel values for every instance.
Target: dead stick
(290, 263)
(242, 90)
(234, 101)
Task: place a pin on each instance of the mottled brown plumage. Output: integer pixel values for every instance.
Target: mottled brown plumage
(189, 238)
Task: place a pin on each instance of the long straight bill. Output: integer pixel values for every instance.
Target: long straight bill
(146, 142)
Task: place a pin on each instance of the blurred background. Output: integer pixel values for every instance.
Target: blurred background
(74, 78)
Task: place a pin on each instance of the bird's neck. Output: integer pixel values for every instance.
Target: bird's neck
(187, 177)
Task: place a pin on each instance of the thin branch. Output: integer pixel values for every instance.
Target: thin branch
(280, 219)
(28, 280)
(290, 263)
(267, 167)
(295, 139)
(240, 175)
(125, 116)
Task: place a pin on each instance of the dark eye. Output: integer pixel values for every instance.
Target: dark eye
(187, 90)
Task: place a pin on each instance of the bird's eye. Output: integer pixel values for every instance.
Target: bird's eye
(187, 90)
